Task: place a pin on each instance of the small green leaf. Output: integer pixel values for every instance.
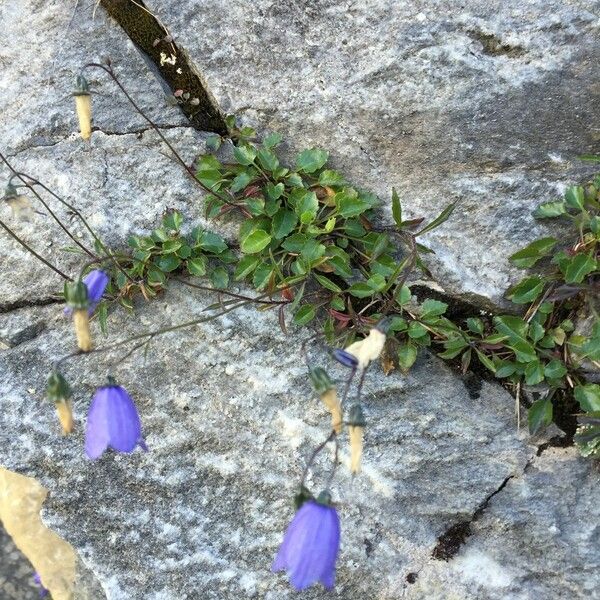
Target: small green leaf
(555, 369)
(575, 197)
(527, 290)
(168, 263)
(244, 154)
(475, 325)
(246, 266)
(102, 312)
(274, 192)
(416, 330)
(505, 368)
(376, 282)
(331, 178)
(534, 373)
(536, 332)
(241, 181)
(258, 240)
(284, 222)
(272, 140)
(550, 209)
(267, 160)
(197, 266)
(578, 267)
(262, 275)
(307, 207)
(213, 142)
(528, 256)
(304, 315)
(311, 160)
(220, 278)
(295, 242)
(407, 355)
(396, 208)
(209, 241)
(327, 283)
(432, 308)
(349, 204)
(361, 290)
(485, 361)
(588, 397)
(441, 218)
(173, 220)
(404, 296)
(539, 415)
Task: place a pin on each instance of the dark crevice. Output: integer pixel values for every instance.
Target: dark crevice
(8, 307)
(139, 131)
(450, 542)
(169, 62)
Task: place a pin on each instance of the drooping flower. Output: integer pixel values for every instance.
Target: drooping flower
(366, 350)
(83, 105)
(113, 422)
(82, 297)
(356, 426)
(325, 388)
(311, 544)
(59, 392)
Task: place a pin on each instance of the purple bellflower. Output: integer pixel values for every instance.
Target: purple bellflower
(310, 545)
(113, 421)
(95, 282)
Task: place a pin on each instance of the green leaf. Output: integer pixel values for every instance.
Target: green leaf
(588, 397)
(244, 154)
(536, 332)
(349, 204)
(441, 218)
(168, 263)
(267, 160)
(284, 222)
(514, 327)
(258, 240)
(255, 206)
(432, 308)
(555, 369)
(404, 296)
(208, 162)
(220, 278)
(575, 197)
(246, 266)
(485, 361)
(294, 180)
(376, 282)
(398, 324)
(475, 325)
(579, 266)
(274, 192)
(211, 179)
(527, 290)
(102, 312)
(272, 140)
(312, 251)
(396, 208)
(361, 290)
(528, 256)
(304, 315)
(534, 373)
(209, 241)
(295, 242)
(550, 209)
(407, 355)
(311, 160)
(173, 220)
(539, 415)
(307, 206)
(327, 283)
(171, 246)
(213, 142)
(331, 178)
(262, 275)
(416, 330)
(241, 181)
(197, 266)
(505, 368)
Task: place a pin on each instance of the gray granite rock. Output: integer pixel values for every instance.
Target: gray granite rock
(229, 418)
(16, 574)
(487, 103)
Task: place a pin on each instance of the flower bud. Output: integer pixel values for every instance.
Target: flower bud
(367, 349)
(83, 105)
(324, 386)
(76, 295)
(59, 392)
(356, 425)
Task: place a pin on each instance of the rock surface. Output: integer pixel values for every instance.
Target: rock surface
(403, 94)
(487, 103)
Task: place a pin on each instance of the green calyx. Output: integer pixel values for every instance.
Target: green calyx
(324, 498)
(10, 193)
(320, 380)
(76, 295)
(356, 416)
(57, 388)
(82, 87)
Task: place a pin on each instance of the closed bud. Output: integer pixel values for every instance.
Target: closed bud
(356, 425)
(331, 401)
(76, 295)
(59, 392)
(83, 105)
